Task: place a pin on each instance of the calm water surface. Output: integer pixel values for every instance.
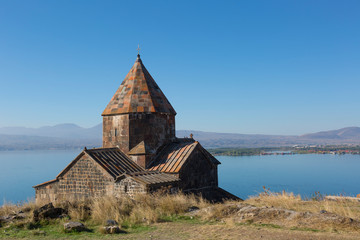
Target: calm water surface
(243, 176)
(20, 170)
(301, 174)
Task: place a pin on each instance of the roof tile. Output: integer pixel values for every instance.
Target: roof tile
(154, 177)
(138, 93)
(114, 161)
(173, 156)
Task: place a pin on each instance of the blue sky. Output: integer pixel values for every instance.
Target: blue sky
(271, 67)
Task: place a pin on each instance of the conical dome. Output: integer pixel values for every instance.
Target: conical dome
(138, 93)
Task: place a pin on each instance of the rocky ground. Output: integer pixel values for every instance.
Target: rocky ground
(186, 218)
(225, 231)
(189, 230)
(243, 213)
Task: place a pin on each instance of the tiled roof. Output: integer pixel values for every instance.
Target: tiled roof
(114, 161)
(141, 148)
(154, 177)
(118, 165)
(45, 183)
(138, 93)
(174, 155)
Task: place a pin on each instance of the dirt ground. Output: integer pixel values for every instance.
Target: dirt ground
(195, 231)
(217, 231)
(170, 231)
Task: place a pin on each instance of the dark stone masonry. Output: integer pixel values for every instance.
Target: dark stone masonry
(140, 152)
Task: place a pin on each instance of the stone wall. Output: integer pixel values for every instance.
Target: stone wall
(116, 132)
(47, 192)
(129, 186)
(198, 172)
(128, 130)
(142, 160)
(85, 179)
(154, 129)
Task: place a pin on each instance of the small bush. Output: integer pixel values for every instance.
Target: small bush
(32, 225)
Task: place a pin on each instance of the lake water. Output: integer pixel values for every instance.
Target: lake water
(242, 176)
(302, 174)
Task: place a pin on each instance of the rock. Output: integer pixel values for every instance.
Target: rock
(112, 229)
(32, 225)
(74, 226)
(48, 211)
(19, 215)
(39, 233)
(248, 214)
(192, 208)
(52, 213)
(111, 222)
(45, 207)
(27, 209)
(11, 217)
(6, 219)
(41, 209)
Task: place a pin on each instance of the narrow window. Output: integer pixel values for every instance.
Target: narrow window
(125, 188)
(116, 132)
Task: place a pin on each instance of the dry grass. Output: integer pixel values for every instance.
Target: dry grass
(152, 208)
(289, 201)
(10, 208)
(148, 209)
(142, 209)
(219, 211)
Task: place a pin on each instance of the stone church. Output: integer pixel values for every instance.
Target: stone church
(140, 151)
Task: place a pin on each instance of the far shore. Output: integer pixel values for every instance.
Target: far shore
(256, 151)
(332, 149)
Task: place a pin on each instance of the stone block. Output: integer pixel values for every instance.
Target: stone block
(74, 226)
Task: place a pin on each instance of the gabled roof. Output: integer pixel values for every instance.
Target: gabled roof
(173, 156)
(118, 165)
(138, 93)
(152, 177)
(141, 148)
(112, 160)
(45, 183)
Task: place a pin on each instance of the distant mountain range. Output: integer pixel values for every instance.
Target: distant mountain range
(67, 131)
(71, 136)
(349, 133)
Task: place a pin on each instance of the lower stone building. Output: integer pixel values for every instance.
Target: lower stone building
(103, 171)
(181, 165)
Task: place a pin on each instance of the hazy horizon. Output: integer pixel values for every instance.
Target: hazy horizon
(214, 131)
